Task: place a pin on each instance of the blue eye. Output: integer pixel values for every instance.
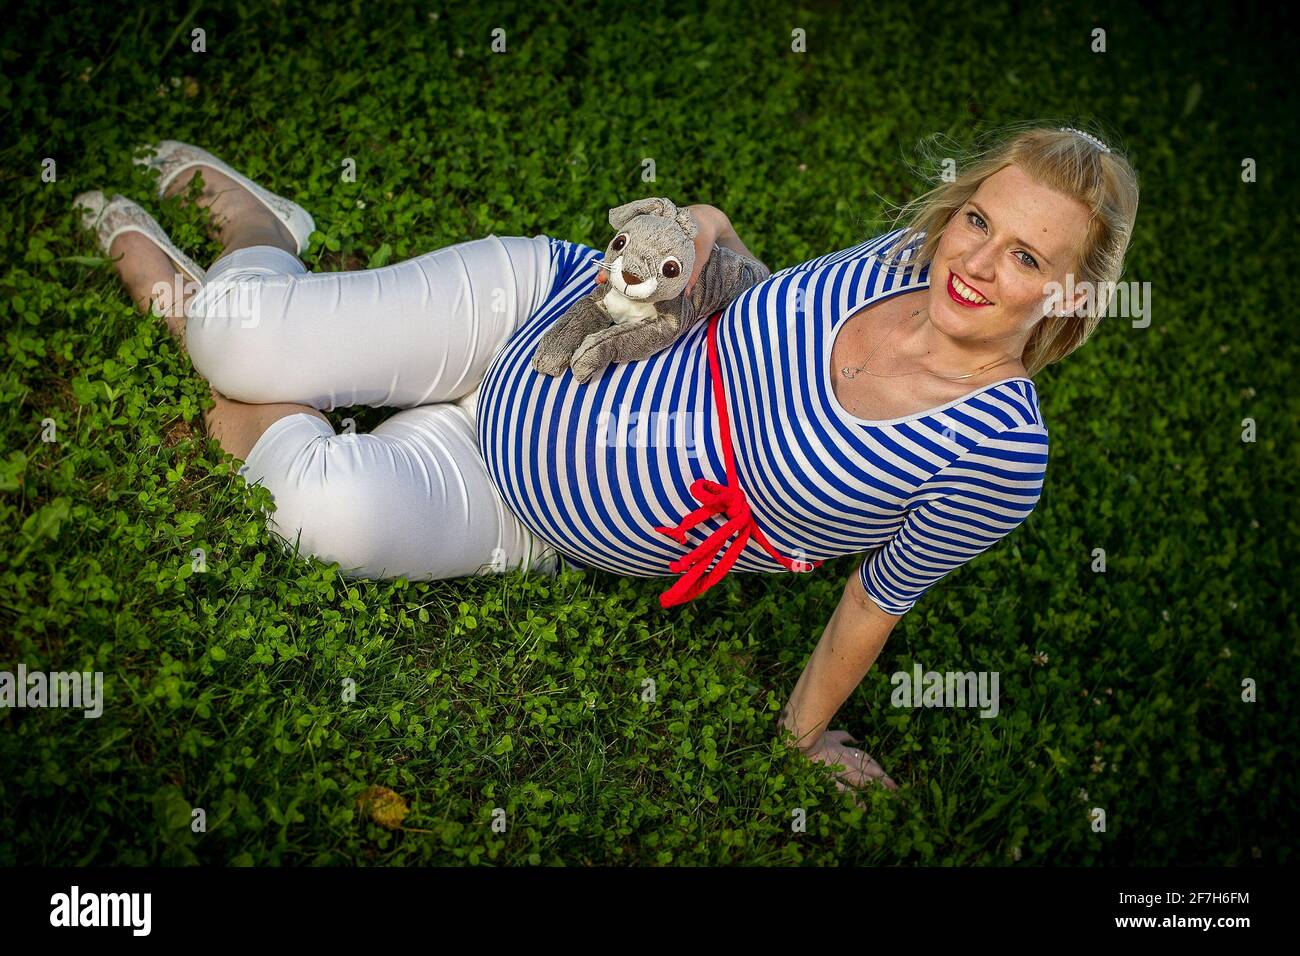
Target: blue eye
(1032, 263)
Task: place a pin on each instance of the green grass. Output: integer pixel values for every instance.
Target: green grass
(225, 689)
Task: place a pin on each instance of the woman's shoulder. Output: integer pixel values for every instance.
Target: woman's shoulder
(1003, 417)
(1020, 408)
(1016, 423)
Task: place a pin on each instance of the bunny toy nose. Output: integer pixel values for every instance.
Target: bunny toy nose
(630, 279)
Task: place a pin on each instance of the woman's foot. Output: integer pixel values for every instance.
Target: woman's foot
(245, 212)
(152, 280)
(240, 219)
(159, 277)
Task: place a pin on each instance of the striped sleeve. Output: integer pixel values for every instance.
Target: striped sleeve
(973, 502)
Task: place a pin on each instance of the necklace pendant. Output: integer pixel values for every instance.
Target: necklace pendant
(850, 372)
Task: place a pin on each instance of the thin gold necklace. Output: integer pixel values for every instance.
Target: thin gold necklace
(852, 371)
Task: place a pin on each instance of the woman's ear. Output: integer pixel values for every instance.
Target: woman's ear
(1056, 307)
(1082, 301)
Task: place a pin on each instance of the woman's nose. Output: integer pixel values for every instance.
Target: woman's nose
(979, 263)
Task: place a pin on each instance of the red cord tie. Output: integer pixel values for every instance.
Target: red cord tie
(715, 499)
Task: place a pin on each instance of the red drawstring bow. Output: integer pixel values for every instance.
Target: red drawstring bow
(715, 499)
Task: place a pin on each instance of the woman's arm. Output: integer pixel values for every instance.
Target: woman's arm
(848, 647)
(727, 236)
(714, 226)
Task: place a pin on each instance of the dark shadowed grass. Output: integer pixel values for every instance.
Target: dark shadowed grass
(526, 701)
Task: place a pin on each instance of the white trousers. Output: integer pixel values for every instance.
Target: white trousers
(411, 498)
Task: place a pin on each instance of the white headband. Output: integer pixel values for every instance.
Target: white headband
(1089, 137)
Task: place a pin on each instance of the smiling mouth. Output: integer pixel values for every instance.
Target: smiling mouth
(963, 294)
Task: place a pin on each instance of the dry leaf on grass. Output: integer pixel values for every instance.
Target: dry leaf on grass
(383, 806)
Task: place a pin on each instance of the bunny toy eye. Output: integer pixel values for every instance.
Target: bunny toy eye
(619, 242)
(671, 269)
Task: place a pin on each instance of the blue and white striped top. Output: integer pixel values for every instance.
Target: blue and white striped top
(593, 468)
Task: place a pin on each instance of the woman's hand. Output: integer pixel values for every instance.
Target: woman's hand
(859, 767)
(711, 225)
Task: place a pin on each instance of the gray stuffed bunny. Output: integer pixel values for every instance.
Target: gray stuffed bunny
(640, 308)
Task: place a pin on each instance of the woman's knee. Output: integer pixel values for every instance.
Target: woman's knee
(234, 335)
(325, 503)
(361, 501)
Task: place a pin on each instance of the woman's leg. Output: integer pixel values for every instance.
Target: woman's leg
(424, 331)
(411, 498)
(149, 277)
(263, 329)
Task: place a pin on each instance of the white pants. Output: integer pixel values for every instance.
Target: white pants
(412, 498)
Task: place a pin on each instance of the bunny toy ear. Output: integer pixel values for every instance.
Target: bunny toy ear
(654, 206)
(687, 222)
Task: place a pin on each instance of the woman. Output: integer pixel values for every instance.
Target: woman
(877, 399)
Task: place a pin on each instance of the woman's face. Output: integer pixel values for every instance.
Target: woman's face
(982, 248)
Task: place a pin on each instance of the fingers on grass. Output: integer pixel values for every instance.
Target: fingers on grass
(857, 798)
(870, 771)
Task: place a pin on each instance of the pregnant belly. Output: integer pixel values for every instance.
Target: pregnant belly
(594, 467)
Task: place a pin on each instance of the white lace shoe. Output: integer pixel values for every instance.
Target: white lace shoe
(172, 157)
(108, 219)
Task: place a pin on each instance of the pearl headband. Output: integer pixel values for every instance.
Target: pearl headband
(1089, 137)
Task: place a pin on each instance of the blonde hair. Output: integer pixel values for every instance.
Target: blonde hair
(1061, 159)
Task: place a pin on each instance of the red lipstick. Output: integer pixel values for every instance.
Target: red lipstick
(952, 293)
